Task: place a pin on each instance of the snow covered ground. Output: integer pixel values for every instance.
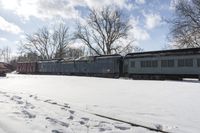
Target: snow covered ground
(35, 103)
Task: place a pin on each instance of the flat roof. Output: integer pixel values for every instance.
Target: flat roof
(166, 52)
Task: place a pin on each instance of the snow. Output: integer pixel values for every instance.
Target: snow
(35, 103)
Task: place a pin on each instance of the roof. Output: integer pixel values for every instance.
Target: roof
(109, 56)
(86, 58)
(188, 51)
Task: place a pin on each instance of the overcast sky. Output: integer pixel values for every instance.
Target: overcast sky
(18, 17)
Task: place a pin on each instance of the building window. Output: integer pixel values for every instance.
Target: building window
(149, 63)
(132, 63)
(154, 63)
(181, 62)
(185, 62)
(198, 62)
(167, 63)
(189, 62)
(142, 64)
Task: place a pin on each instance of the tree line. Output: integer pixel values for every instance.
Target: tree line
(5, 54)
(102, 32)
(185, 25)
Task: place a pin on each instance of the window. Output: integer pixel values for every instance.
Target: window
(154, 63)
(189, 62)
(185, 62)
(181, 62)
(198, 62)
(149, 63)
(167, 63)
(132, 63)
(142, 64)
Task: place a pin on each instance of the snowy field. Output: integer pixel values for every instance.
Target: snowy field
(68, 104)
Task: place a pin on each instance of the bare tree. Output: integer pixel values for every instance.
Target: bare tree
(185, 26)
(28, 57)
(61, 39)
(75, 52)
(46, 43)
(5, 54)
(103, 30)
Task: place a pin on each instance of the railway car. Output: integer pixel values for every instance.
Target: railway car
(107, 66)
(168, 64)
(49, 67)
(67, 67)
(27, 67)
(82, 66)
(101, 66)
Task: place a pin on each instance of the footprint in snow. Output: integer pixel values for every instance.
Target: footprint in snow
(17, 99)
(63, 108)
(82, 122)
(50, 101)
(29, 105)
(103, 126)
(71, 117)
(28, 114)
(85, 119)
(159, 127)
(55, 121)
(53, 103)
(122, 127)
(102, 129)
(36, 98)
(56, 131)
(66, 105)
(71, 111)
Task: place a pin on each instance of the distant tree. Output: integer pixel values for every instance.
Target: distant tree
(5, 54)
(75, 52)
(103, 30)
(28, 57)
(185, 26)
(138, 49)
(46, 43)
(61, 39)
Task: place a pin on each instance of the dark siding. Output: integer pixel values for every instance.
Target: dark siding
(149, 63)
(167, 63)
(185, 62)
(198, 62)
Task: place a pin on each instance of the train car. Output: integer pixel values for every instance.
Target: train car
(101, 66)
(49, 67)
(107, 66)
(167, 64)
(27, 67)
(83, 66)
(67, 67)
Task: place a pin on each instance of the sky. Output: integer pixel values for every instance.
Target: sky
(20, 17)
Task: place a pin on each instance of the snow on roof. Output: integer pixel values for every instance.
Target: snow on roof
(166, 52)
